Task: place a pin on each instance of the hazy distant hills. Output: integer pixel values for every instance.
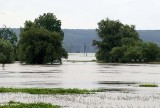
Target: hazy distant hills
(76, 39)
(150, 35)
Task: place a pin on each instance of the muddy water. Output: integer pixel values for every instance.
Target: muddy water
(120, 81)
(88, 75)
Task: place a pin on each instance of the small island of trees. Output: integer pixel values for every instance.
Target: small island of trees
(120, 43)
(40, 42)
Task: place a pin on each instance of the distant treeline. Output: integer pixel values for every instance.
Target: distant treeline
(76, 39)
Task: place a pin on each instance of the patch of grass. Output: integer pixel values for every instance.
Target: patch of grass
(116, 82)
(30, 105)
(45, 90)
(148, 85)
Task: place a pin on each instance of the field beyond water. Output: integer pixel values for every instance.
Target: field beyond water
(123, 85)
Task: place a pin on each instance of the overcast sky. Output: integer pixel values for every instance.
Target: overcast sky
(82, 14)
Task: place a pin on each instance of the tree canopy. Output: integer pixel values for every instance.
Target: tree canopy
(41, 41)
(6, 52)
(8, 34)
(121, 43)
(49, 22)
(8, 43)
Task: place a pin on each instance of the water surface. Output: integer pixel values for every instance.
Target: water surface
(88, 75)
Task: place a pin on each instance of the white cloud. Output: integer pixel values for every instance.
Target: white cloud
(83, 13)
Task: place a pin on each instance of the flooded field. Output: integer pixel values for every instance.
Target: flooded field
(120, 81)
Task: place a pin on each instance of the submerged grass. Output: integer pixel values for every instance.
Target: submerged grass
(116, 82)
(45, 90)
(74, 61)
(148, 85)
(28, 105)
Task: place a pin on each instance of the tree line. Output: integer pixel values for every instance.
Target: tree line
(41, 43)
(120, 43)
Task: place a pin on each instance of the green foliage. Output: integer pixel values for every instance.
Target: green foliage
(148, 85)
(117, 54)
(41, 41)
(8, 34)
(27, 26)
(150, 51)
(6, 52)
(133, 54)
(40, 46)
(29, 105)
(112, 34)
(121, 43)
(45, 90)
(49, 22)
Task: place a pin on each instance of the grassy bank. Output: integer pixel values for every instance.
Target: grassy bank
(45, 90)
(26, 105)
(148, 85)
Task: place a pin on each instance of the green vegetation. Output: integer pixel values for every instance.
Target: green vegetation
(41, 41)
(121, 43)
(8, 34)
(6, 52)
(8, 41)
(12, 104)
(46, 90)
(148, 85)
(137, 52)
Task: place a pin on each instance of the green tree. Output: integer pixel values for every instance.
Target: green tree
(6, 52)
(128, 52)
(150, 51)
(135, 51)
(130, 42)
(133, 54)
(49, 22)
(27, 26)
(158, 55)
(117, 54)
(8, 34)
(112, 34)
(41, 43)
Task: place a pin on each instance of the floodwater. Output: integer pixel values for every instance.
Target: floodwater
(72, 74)
(121, 82)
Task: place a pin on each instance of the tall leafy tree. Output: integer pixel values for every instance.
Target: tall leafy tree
(112, 34)
(6, 52)
(41, 41)
(8, 34)
(150, 51)
(49, 22)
